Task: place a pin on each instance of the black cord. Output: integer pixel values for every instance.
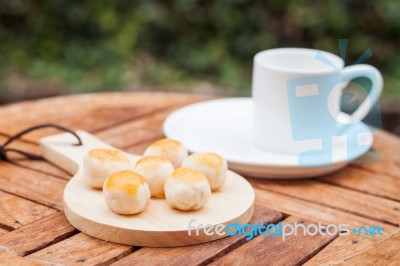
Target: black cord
(4, 150)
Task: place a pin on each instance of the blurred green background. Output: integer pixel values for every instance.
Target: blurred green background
(59, 46)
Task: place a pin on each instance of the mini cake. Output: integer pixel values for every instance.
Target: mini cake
(155, 170)
(126, 192)
(170, 149)
(187, 189)
(98, 164)
(213, 166)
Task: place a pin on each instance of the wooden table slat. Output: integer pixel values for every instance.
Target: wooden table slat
(32, 185)
(3, 231)
(379, 209)
(272, 250)
(37, 235)
(82, 249)
(359, 251)
(341, 249)
(131, 133)
(385, 253)
(85, 112)
(198, 254)
(316, 212)
(10, 259)
(388, 145)
(42, 167)
(366, 181)
(16, 212)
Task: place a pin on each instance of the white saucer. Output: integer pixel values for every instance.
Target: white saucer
(224, 126)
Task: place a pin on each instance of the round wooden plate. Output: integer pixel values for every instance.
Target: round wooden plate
(159, 225)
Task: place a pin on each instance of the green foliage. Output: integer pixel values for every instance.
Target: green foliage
(100, 45)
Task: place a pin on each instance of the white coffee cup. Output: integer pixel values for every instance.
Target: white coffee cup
(275, 75)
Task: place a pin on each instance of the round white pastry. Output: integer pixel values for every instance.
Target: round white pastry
(187, 189)
(212, 165)
(98, 164)
(155, 170)
(126, 192)
(170, 149)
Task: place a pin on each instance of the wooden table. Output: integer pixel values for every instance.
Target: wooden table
(34, 230)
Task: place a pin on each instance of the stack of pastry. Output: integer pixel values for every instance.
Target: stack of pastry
(165, 170)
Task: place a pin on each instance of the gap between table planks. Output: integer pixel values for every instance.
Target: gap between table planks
(22, 180)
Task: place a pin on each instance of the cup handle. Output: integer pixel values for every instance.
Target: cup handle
(358, 71)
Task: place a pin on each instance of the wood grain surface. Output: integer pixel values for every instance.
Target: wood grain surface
(34, 231)
(275, 250)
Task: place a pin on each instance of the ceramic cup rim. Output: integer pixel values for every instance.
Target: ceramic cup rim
(261, 59)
